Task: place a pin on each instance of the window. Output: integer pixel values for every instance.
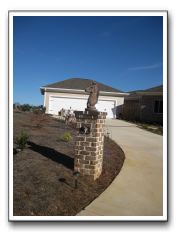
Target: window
(158, 107)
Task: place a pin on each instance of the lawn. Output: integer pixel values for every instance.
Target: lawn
(154, 128)
(43, 181)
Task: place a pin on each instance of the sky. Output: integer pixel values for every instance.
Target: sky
(124, 52)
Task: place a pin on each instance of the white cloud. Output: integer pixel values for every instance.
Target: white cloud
(146, 67)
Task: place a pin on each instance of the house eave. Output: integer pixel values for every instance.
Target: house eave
(140, 94)
(150, 93)
(80, 91)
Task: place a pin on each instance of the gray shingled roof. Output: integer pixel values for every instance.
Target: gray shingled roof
(79, 83)
(153, 89)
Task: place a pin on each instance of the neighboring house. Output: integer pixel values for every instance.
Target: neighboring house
(70, 94)
(144, 105)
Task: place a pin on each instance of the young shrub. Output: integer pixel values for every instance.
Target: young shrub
(43, 109)
(25, 107)
(37, 111)
(39, 119)
(66, 137)
(21, 141)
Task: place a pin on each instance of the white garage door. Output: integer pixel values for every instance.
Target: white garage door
(57, 103)
(108, 107)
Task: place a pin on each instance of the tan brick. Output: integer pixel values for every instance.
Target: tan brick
(94, 144)
(99, 157)
(92, 166)
(95, 130)
(99, 144)
(98, 125)
(91, 148)
(90, 158)
(82, 148)
(80, 138)
(76, 152)
(95, 134)
(93, 162)
(86, 172)
(93, 125)
(87, 166)
(85, 143)
(79, 148)
(77, 143)
(91, 139)
(77, 156)
(92, 171)
(84, 161)
(85, 152)
(94, 153)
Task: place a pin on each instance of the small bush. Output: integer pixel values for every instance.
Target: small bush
(66, 137)
(39, 119)
(43, 108)
(25, 107)
(39, 109)
(21, 141)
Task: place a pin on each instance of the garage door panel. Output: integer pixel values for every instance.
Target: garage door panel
(57, 103)
(107, 106)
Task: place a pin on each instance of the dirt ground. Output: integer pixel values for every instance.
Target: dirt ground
(43, 172)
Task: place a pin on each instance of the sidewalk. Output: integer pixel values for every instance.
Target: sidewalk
(138, 189)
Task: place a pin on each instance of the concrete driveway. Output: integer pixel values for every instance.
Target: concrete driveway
(138, 189)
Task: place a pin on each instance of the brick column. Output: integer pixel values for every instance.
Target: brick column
(89, 143)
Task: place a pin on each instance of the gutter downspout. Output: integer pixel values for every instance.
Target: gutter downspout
(140, 115)
(44, 103)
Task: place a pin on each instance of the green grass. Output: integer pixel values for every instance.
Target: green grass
(157, 129)
(66, 137)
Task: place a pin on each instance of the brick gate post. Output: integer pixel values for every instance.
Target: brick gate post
(89, 143)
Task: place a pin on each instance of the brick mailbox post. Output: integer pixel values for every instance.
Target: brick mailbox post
(89, 143)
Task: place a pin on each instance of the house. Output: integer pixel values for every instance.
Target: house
(144, 105)
(70, 94)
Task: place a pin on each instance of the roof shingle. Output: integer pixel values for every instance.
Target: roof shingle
(153, 89)
(81, 84)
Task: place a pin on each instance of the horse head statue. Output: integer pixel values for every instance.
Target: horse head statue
(93, 95)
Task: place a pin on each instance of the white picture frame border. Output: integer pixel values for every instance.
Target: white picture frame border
(162, 13)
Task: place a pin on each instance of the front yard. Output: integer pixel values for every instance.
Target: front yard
(43, 181)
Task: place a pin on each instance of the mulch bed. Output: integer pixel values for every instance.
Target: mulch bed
(43, 172)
